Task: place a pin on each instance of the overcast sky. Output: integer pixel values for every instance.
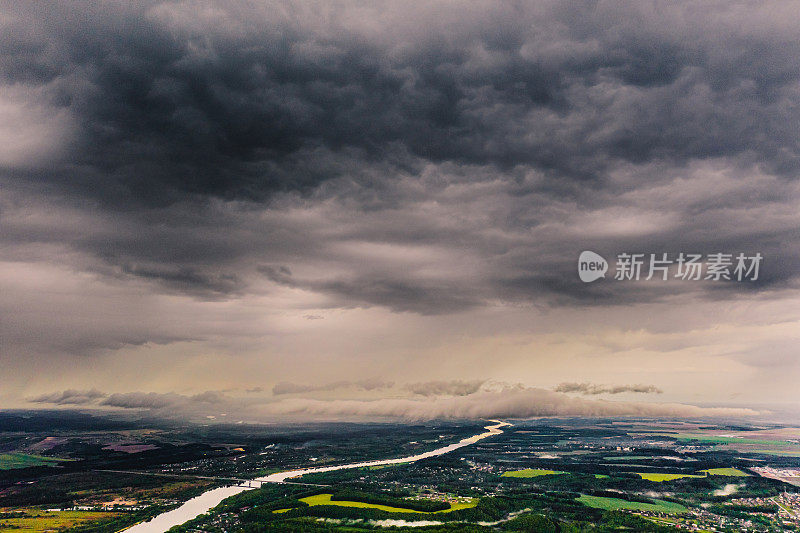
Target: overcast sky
(350, 208)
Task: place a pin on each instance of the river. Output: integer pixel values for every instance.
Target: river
(210, 499)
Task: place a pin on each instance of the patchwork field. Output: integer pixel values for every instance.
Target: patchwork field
(779, 442)
(724, 439)
(611, 504)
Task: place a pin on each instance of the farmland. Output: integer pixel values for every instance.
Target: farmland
(325, 499)
(730, 472)
(613, 504)
(10, 461)
(37, 521)
(659, 477)
(530, 472)
(557, 475)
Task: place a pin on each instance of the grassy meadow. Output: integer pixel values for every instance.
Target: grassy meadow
(611, 504)
(325, 499)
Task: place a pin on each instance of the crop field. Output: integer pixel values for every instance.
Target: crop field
(9, 461)
(657, 477)
(783, 453)
(628, 458)
(325, 499)
(728, 440)
(380, 467)
(530, 472)
(732, 472)
(38, 521)
(611, 504)
(767, 444)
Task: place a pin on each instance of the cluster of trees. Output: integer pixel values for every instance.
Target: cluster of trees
(620, 521)
(606, 522)
(621, 495)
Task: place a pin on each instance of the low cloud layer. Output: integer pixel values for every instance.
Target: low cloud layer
(512, 403)
(445, 388)
(593, 388)
(69, 397)
(286, 387)
(508, 402)
(141, 400)
(131, 400)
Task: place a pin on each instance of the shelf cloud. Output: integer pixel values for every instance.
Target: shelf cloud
(286, 387)
(514, 403)
(506, 402)
(69, 397)
(445, 388)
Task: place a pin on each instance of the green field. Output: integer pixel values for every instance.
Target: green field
(325, 499)
(729, 440)
(380, 467)
(38, 521)
(732, 472)
(652, 476)
(785, 453)
(611, 504)
(9, 461)
(530, 472)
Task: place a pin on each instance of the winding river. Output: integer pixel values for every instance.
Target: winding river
(210, 499)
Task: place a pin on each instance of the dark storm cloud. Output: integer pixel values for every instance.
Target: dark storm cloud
(399, 295)
(185, 278)
(219, 106)
(190, 120)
